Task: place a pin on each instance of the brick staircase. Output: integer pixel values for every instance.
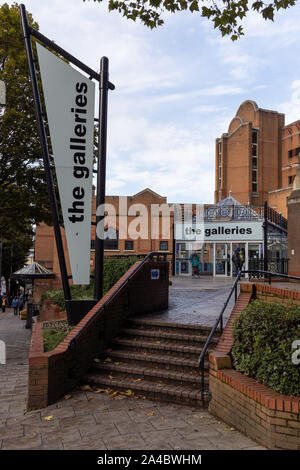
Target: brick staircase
(154, 359)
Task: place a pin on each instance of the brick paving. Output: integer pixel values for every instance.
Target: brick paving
(89, 420)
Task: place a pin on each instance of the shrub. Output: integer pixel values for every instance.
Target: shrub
(263, 337)
(54, 335)
(113, 270)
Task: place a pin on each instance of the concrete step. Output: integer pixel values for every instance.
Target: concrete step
(153, 374)
(176, 328)
(189, 352)
(176, 337)
(156, 360)
(155, 391)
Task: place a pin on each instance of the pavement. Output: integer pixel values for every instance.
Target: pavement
(196, 300)
(87, 420)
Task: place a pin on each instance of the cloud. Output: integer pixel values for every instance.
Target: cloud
(177, 88)
(291, 108)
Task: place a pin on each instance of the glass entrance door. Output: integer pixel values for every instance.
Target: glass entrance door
(221, 261)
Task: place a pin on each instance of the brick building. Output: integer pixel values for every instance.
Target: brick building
(114, 245)
(256, 158)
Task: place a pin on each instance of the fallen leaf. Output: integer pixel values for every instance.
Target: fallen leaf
(139, 380)
(47, 418)
(96, 359)
(116, 363)
(128, 393)
(108, 359)
(150, 413)
(110, 377)
(84, 388)
(67, 397)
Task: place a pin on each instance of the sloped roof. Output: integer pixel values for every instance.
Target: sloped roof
(229, 201)
(33, 271)
(231, 207)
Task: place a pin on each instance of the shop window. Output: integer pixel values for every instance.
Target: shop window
(111, 239)
(163, 246)
(128, 244)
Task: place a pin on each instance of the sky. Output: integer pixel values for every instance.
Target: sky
(177, 87)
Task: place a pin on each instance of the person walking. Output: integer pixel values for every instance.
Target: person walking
(194, 260)
(236, 259)
(21, 303)
(3, 304)
(15, 304)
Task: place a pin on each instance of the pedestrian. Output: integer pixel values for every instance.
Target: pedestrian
(21, 302)
(237, 260)
(194, 260)
(15, 304)
(3, 304)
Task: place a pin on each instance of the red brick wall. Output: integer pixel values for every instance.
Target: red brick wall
(271, 419)
(272, 294)
(53, 374)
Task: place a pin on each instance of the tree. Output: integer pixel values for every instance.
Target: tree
(23, 191)
(226, 15)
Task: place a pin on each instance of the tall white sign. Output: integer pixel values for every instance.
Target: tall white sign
(69, 98)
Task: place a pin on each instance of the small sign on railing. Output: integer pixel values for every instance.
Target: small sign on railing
(155, 274)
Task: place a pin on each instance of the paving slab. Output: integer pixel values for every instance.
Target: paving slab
(90, 420)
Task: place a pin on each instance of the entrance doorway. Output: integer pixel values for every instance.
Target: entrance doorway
(222, 259)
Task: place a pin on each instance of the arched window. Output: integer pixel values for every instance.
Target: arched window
(111, 239)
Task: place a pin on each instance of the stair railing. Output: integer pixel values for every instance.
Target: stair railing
(268, 275)
(160, 257)
(219, 321)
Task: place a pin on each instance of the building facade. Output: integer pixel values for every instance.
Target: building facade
(256, 158)
(128, 210)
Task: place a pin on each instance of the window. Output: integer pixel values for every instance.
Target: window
(254, 153)
(219, 163)
(111, 239)
(291, 179)
(128, 244)
(254, 136)
(93, 244)
(290, 153)
(163, 246)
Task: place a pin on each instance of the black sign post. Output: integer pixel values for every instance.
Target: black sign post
(45, 152)
(101, 177)
(29, 31)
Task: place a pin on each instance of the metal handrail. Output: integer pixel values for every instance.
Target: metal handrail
(220, 317)
(270, 274)
(147, 257)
